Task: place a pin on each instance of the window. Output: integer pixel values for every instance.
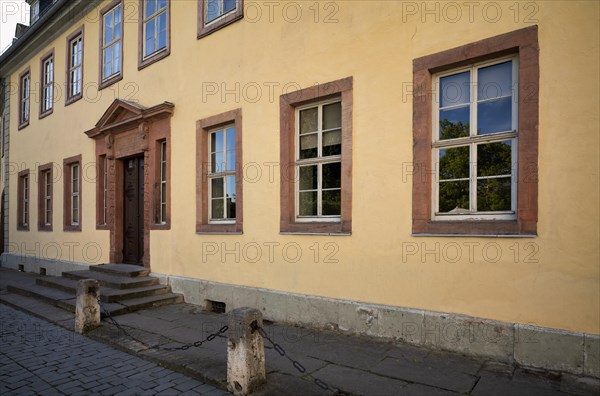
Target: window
(221, 174)
(475, 148)
(34, 12)
(154, 34)
(219, 182)
(74, 66)
(316, 158)
(23, 203)
(24, 98)
(216, 14)
(47, 84)
(318, 161)
(163, 183)
(475, 141)
(72, 193)
(45, 197)
(111, 48)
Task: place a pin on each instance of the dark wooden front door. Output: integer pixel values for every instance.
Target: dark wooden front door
(133, 208)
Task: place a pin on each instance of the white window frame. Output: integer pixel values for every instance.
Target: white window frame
(149, 19)
(47, 198)
(473, 140)
(112, 43)
(75, 181)
(25, 98)
(75, 66)
(221, 14)
(163, 182)
(48, 84)
(218, 175)
(25, 201)
(319, 161)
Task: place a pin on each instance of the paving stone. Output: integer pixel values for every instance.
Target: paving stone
(358, 381)
(428, 374)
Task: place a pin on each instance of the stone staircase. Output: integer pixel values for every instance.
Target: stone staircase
(123, 288)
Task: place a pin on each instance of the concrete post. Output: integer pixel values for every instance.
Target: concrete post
(245, 352)
(87, 309)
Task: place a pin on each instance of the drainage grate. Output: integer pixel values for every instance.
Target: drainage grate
(43, 271)
(21, 268)
(216, 306)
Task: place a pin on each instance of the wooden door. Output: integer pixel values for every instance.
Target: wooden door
(133, 211)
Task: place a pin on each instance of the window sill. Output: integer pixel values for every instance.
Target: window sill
(23, 125)
(219, 233)
(155, 57)
(317, 233)
(73, 99)
(72, 229)
(22, 228)
(317, 228)
(166, 226)
(492, 228)
(45, 228)
(102, 227)
(46, 113)
(110, 81)
(219, 24)
(235, 228)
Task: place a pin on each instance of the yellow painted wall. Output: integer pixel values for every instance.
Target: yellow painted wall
(552, 280)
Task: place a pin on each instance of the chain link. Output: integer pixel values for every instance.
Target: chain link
(297, 365)
(183, 347)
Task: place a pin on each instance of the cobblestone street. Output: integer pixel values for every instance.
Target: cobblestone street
(37, 357)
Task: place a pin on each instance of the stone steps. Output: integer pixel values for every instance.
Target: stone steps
(123, 288)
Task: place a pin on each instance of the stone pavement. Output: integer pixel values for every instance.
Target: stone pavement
(38, 357)
(347, 364)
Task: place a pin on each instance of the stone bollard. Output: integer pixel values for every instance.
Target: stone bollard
(87, 309)
(245, 352)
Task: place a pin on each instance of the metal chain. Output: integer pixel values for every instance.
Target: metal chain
(297, 365)
(183, 347)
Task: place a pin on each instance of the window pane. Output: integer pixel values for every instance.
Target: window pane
(308, 120)
(230, 208)
(332, 203)
(332, 175)
(162, 4)
(162, 31)
(455, 89)
(212, 10)
(217, 163)
(217, 209)
(307, 205)
(494, 81)
(454, 197)
(107, 62)
(493, 194)
(308, 146)
(308, 177)
(118, 19)
(454, 163)
(228, 5)
(230, 187)
(332, 116)
(217, 141)
(494, 159)
(108, 28)
(150, 27)
(230, 161)
(150, 7)
(332, 143)
(230, 138)
(454, 123)
(217, 187)
(494, 116)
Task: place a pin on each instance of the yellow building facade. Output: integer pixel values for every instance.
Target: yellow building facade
(369, 249)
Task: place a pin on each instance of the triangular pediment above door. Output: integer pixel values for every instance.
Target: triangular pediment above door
(122, 115)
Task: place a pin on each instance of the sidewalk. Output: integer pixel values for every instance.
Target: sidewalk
(349, 364)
